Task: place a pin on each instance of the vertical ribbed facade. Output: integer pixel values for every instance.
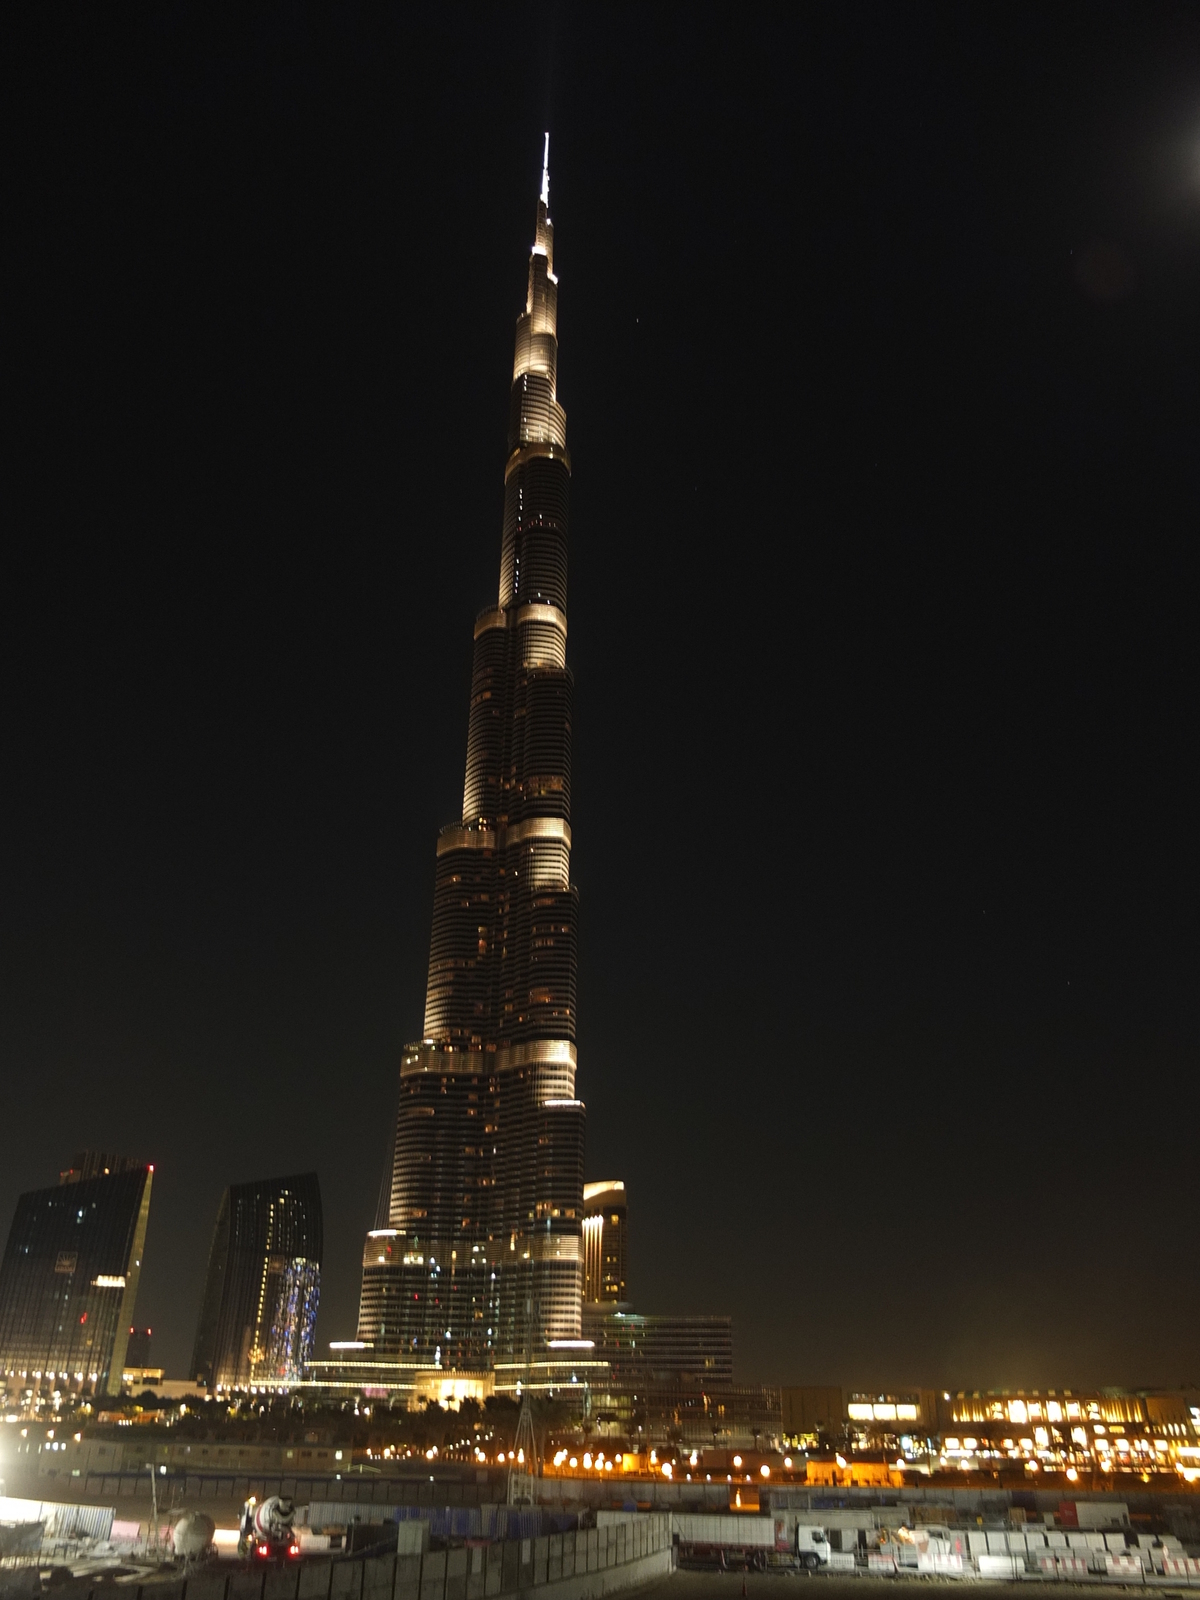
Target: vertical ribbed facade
(477, 1253)
(605, 1244)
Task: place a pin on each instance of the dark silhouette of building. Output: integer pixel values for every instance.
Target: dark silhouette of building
(477, 1254)
(137, 1352)
(69, 1278)
(263, 1286)
(672, 1377)
(653, 1351)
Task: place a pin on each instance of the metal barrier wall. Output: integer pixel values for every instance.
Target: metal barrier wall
(62, 1521)
(466, 1573)
(445, 1522)
(356, 1489)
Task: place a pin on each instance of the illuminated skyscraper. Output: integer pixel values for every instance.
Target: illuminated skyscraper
(69, 1278)
(476, 1256)
(263, 1287)
(605, 1243)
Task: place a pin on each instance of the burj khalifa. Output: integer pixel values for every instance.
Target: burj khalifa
(476, 1257)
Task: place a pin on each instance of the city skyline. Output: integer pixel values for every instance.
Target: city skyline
(876, 347)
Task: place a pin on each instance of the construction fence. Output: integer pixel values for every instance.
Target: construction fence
(609, 1558)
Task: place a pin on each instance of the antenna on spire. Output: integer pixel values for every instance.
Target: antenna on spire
(546, 173)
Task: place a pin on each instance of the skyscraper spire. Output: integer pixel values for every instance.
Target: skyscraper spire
(479, 1258)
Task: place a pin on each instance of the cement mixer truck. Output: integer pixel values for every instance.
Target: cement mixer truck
(267, 1531)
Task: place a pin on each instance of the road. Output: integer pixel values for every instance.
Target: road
(836, 1586)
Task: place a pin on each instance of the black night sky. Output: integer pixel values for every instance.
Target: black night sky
(881, 358)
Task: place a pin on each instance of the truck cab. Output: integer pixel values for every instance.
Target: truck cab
(812, 1546)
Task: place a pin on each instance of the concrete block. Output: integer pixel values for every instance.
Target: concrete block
(433, 1575)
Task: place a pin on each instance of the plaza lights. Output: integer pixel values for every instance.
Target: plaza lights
(590, 1463)
(676, 1465)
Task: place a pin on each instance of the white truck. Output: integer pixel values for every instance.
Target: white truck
(812, 1546)
(736, 1540)
(717, 1539)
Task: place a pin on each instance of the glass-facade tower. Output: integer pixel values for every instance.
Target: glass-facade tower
(259, 1313)
(69, 1277)
(476, 1256)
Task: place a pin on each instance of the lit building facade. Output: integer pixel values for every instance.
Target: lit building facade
(1111, 1430)
(69, 1278)
(261, 1294)
(1027, 1431)
(477, 1253)
(605, 1243)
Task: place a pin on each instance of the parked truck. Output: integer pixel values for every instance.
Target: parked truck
(723, 1541)
(737, 1541)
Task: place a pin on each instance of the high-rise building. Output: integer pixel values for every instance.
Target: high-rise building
(653, 1351)
(672, 1377)
(137, 1351)
(259, 1312)
(69, 1278)
(476, 1256)
(605, 1243)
